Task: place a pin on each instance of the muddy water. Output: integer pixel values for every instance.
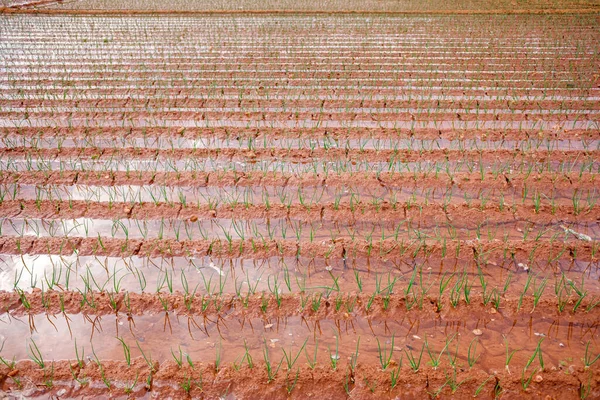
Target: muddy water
(115, 163)
(292, 229)
(518, 64)
(205, 339)
(209, 275)
(151, 121)
(300, 144)
(51, 94)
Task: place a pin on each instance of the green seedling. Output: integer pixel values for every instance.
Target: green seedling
(290, 360)
(414, 362)
(384, 357)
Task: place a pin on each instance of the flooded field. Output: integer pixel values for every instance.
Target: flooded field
(293, 205)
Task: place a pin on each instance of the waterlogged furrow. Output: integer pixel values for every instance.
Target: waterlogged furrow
(340, 113)
(394, 57)
(295, 82)
(249, 85)
(231, 51)
(48, 142)
(260, 53)
(136, 101)
(268, 72)
(50, 96)
(343, 41)
(572, 120)
(269, 228)
(298, 92)
(200, 337)
(280, 276)
(486, 76)
(147, 121)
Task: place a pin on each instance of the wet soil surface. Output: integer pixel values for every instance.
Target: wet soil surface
(294, 206)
